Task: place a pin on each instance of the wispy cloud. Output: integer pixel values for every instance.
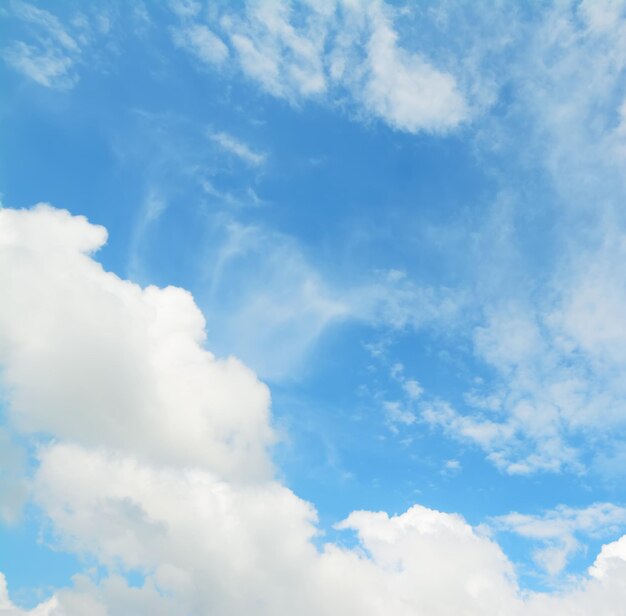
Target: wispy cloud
(50, 58)
(241, 150)
(333, 53)
(52, 50)
(201, 42)
(268, 304)
(47, 66)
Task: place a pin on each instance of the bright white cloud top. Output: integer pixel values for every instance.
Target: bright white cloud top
(313, 308)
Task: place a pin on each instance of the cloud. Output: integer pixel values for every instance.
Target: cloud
(238, 148)
(558, 530)
(269, 304)
(285, 60)
(265, 302)
(612, 556)
(53, 50)
(133, 357)
(49, 60)
(185, 8)
(201, 42)
(558, 367)
(398, 414)
(49, 23)
(47, 67)
(391, 299)
(404, 89)
(219, 547)
(551, 335)
(338, 52)
(157, 463)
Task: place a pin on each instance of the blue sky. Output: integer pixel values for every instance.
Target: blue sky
(362, 267)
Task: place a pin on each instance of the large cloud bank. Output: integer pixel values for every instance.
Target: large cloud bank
(153, 456)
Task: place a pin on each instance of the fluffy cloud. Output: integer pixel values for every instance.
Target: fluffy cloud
(213, 546)
(100, 361)
(159, 465)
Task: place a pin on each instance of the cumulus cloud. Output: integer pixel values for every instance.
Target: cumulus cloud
(124, 366)
(158, 464)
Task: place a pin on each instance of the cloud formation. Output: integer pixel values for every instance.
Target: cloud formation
(237, 147)
(124, 367)
(159, 465)
(50, 58)
(51, 50)
(331, 52)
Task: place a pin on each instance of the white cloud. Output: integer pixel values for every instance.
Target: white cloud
(49, 23)
(404, 89)
(265, 302)
(559, 364)
(559, 531)
(287, 61)
(157, 464)
(392, 299)
(268, 304)
(201, 42)
(411, 387)
(45, 66)
(50, 58)
(552, 328)
(335, 52)
(401, 412)
(238, 148)
(397, 413)
(612, 555)
(213, 546)
(53, 50)
(185, 8)
(133, 357)
(452, 467)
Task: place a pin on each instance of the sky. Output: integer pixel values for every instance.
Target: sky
(312, 308)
